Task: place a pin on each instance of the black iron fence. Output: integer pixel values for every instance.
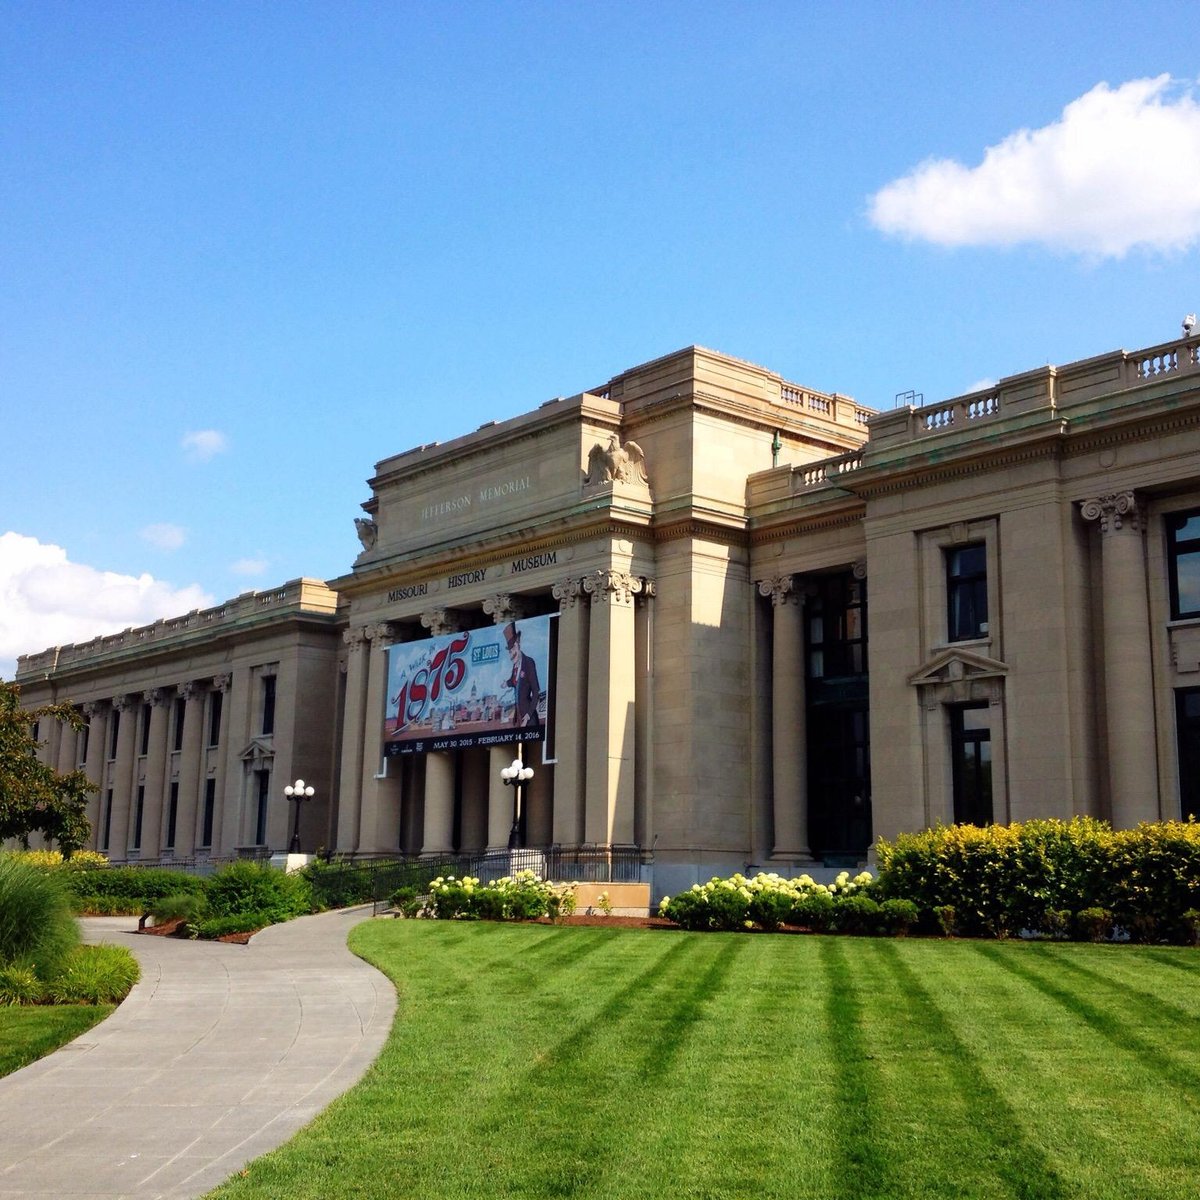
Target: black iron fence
(195, 864)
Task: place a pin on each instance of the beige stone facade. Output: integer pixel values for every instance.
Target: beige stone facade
(784, 626)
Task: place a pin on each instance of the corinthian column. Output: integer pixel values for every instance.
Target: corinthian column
(155, 779)
(350, 779)
(379, 819)
(93, 767)
(122, 775)
(570, 706)
(789, 755)
(1128, 680)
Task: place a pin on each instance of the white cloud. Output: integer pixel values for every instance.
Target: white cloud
(164, 536)
(1120, 169)
(203, 444)
(980, 385)
(249, 566)
(46, 600)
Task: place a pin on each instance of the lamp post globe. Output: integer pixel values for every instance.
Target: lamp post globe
(514, 775)
(297, 792)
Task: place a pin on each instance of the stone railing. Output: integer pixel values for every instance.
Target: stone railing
(308, 595)
(831, 406)
(826, 471)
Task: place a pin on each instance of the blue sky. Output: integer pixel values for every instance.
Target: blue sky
(250, 249)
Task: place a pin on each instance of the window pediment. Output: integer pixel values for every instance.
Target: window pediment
(259, 753)
(956, 676)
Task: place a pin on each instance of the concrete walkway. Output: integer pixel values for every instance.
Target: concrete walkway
(219, 1054)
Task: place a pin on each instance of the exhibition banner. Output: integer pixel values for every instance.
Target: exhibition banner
(481, 687)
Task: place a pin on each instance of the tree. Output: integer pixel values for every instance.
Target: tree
(33, 796)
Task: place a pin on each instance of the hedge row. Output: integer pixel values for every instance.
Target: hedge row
(1041, 877)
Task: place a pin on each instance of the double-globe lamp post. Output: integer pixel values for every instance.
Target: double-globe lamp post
(514, 775)
(297, 792)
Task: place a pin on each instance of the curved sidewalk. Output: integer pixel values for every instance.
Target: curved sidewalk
(219, 1054)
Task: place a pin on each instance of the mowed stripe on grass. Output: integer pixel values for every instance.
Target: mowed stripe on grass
(536, 1061)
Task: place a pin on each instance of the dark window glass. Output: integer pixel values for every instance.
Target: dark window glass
(966, 592)
(836, 626)
(268, 710)
(1183, 563)
(34, 735)
(971, 750)
(85, 736)
(172, 814)
(114, 733)
(145, 746)
(180, 712)
(137, 817)
(260, 824)
(214, 717)
(1187, 729)
(210, 804)
(108, 799)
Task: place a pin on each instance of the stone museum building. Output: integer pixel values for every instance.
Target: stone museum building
(729, 621)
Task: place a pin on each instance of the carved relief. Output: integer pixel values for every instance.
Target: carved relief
(1113, 511)
(123, 703)
(368, 532)
(381, 633)
(614, 462)
(504, 607)
(155, 696)
(188, 690)
(355, 637)
(222, 683)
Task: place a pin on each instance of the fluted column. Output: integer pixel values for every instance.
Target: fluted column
(611, 726)
(350, 786)
(1128, 678)
(379, 816)
(155, 776)
(439, 803)
(191, 767)
(93, 767)
(570, 707)
(788, 716)
(122, 775)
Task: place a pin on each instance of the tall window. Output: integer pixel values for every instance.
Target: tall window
(214, 717)
(172, 814)
(180, 711)
(1183, 559)
(137, 817)
(966, 592)
(210, 805)
(971, 753)
(1187, 730)
(264, 791)
(144, 749)
(268, 704)
(85, 735)
(108, 799)
(114, 733)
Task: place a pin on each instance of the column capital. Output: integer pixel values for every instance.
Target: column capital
(222, 683)
(781, 589)
(156, 696)
(567, 592)
(504, 607)
(440, 620)
(189, 689)
(1113, 511)
(123, 703)
(91, 708)
(381, 633)
(355, 636)
(613, 587)
(858, 568)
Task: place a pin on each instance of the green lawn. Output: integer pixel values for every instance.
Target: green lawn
(28, 1033)
(536, 1061)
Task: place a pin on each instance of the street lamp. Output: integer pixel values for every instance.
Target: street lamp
(298, 792)
(514, 775)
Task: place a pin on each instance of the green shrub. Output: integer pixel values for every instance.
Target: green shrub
(1094, 924)
(1190, 925)
(95, 975)
(1056, 923)
(771, 909)
(1154, 871)
(37, 928)
(132, 890)
(519, 897)
(19, 984)
(946, 918)
(248, 887)
(856, 914)
(897, 917)
(243, 922)
(814, 912)
(407, 900)
(182, 906)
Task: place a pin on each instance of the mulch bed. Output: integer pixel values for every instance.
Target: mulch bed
(175, 929)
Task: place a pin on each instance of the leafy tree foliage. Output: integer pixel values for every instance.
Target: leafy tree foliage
(33, 796)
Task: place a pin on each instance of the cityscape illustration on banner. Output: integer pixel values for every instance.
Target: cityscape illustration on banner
(480, 687)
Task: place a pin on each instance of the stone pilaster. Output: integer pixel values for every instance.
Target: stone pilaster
(121, 775)
(439, 803)
(788, 717)
(643, 774)
(225, 825)
(95, 714)
(610, 793)
(191, 768)
(154, 777)
(1128, 678)
(570, 706)
(379, 813)
(353, 732)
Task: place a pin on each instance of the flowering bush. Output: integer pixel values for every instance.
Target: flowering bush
(766, 901)
(519, 897)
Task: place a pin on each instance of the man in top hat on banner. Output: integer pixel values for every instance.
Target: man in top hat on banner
(524, 680)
